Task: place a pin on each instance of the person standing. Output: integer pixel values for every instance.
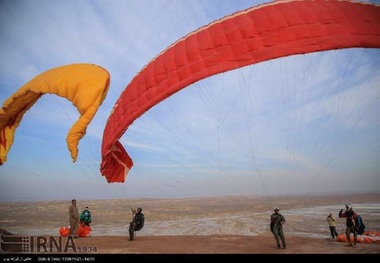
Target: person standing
(351, 224)
(85, 216)
(276, 226)
(332, 224)
(137, 223)
(74, 219)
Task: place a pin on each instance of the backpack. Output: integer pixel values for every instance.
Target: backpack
(361, 225)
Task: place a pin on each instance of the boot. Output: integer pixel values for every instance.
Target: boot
(130, 235)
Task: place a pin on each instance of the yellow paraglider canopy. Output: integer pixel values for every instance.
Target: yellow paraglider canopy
(85, 85)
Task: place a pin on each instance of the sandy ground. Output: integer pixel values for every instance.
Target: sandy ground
(215, 244)
(221, 245)
(215, 226)
(112, 248)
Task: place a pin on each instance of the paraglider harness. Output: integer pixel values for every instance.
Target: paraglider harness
(360, 225)
(137, 223)
(275, 222)
(354, 220)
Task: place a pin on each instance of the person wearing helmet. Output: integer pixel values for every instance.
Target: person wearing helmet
(137, 223)
(351, 224)
(85, 216)
(276, 226)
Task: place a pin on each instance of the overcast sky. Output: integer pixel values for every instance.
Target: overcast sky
(304, 124)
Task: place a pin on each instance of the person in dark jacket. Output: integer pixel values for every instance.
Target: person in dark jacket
(137, 223)
(351, 224)
(276, 226)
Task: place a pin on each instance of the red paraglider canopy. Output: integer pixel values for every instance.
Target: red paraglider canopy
(257, 34)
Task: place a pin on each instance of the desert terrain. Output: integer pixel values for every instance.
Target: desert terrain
(215, 225)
